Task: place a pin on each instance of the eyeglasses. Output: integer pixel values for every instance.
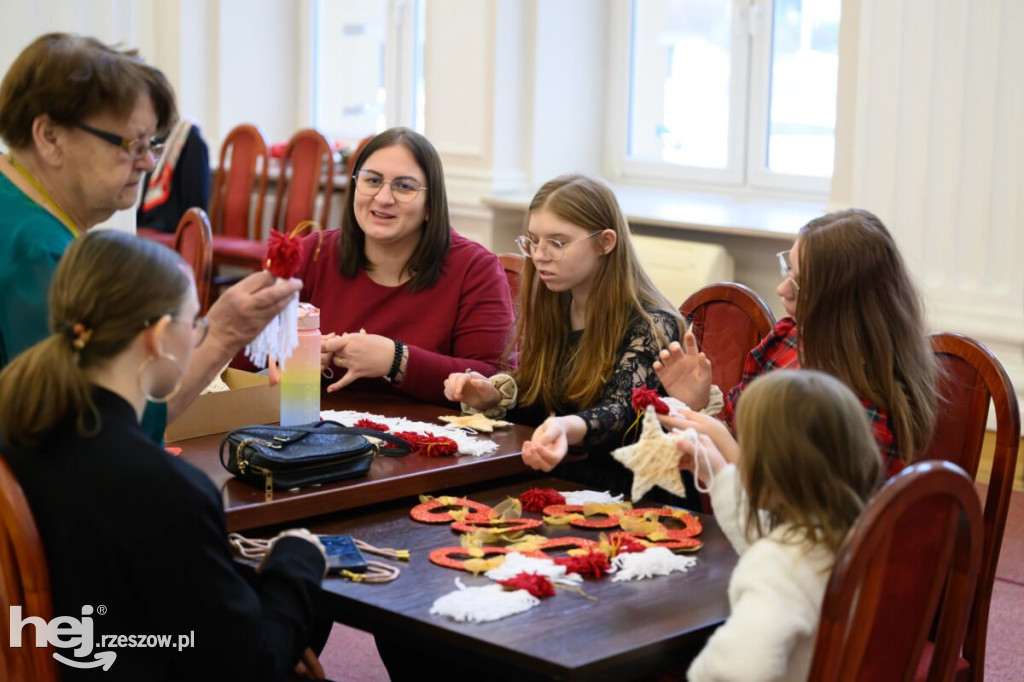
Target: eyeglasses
(200, 328)
(135, 148)
(552, 247)
(402, 189)
(786, 268)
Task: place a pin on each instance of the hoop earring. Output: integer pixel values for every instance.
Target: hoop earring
(177, 384)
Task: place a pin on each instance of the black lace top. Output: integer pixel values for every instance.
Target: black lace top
(608, 420)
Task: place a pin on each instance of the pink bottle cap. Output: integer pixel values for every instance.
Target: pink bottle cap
(309, 317)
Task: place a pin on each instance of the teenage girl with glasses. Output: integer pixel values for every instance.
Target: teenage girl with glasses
(588, 333)
(852, 310)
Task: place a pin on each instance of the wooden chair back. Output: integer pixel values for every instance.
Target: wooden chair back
(193, 240)
(970, 377)
(241, 170)
(25, 582)
(729, 320)
(350, 165)
(918, 541)
(306, 167)
(512, 263)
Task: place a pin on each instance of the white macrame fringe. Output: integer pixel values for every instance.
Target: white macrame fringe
(468, 445)
(516, 563)
(278, 339)
(652, 562)
(482, 604)
(582, 497)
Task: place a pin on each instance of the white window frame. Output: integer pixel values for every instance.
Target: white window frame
(402, 63)
(746, 170)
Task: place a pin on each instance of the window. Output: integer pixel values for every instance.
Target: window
(736, 92)
(368, 70)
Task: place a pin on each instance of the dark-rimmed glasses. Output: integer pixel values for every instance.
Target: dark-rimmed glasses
(402, 189)
(135, 148)
(553, 247)
(786, 267)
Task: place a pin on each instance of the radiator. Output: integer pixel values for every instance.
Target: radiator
(680, 268)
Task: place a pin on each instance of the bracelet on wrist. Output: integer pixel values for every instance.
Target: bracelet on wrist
(396, 363)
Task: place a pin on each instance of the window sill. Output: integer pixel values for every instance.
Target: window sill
(762, 217)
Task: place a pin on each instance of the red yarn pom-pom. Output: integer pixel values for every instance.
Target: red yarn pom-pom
(536, 499)
(370, 424)
(283, 255)
(642, 397)
(429, 445)
(590, 565)
(534, 583)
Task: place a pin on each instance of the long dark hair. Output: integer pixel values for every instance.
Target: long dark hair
(860, 319)
(107, 286)
(425, 264)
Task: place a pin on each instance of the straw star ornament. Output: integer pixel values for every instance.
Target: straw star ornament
(653, 459)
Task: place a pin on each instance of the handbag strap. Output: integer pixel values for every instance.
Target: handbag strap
(401, 448)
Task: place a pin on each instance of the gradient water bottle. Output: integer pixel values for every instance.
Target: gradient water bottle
(300, 378)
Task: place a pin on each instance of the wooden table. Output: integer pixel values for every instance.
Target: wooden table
(389, 478)
(631, 631)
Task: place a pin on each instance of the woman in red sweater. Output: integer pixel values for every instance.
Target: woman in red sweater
(404, 299)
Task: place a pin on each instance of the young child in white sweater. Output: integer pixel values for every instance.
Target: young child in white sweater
(804, 466)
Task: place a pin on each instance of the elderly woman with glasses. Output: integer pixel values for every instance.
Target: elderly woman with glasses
(852, 310)
(82, 122)
(404, 300)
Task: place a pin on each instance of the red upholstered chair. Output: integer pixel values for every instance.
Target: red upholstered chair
(918, 541)
(194, 241)
(235, 222)
(25, 582)
(971, 377)
(513, 265)
(729, 320)
(306, 167)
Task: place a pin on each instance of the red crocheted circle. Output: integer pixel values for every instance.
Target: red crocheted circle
(692, 525)
(474, 523)
(426, 512)
(444, 556)
(566, 541)
(677, 539)
(565, 509)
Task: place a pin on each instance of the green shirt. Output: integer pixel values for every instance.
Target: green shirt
(32, 240)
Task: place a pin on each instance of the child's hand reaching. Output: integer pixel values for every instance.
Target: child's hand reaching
(709, 426)
(703, 468)
(685, 372)
(547, 446)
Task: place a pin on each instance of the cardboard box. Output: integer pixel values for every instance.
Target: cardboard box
(251, 400)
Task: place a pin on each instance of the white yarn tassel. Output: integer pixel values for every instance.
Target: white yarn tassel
(652, 562)
(278, 339)
(516, 563)
(482, 604)
(582, 497)
(701, 453)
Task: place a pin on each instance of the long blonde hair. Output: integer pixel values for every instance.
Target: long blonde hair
(808, 455)
(621, 293)
(111, 284)
(860, 319)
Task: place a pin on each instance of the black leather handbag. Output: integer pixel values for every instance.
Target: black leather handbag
(283, 457)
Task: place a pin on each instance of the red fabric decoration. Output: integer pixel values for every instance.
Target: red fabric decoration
(429, 445)
(283, 255)
(642, 397)
(590, 565)
(536, 499)
(368, 424)
(628, 545)
(537, 585)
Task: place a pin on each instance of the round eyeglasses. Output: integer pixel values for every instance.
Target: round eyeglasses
(554, 248)
(136, 149)
(402, 189)
(786, 268)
